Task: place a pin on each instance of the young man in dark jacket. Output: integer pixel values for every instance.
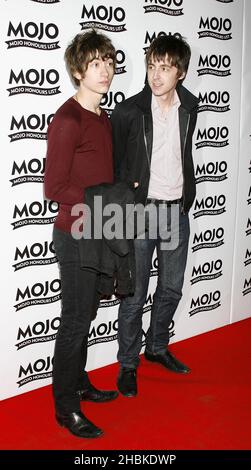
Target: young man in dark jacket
(152, 144)
(79, 155)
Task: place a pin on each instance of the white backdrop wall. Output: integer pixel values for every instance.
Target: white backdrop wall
(241, 286)
(34, 83)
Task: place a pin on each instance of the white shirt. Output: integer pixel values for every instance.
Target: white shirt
(166, 177)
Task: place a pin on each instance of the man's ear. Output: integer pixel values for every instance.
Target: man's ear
(77, 75)
(182, 76)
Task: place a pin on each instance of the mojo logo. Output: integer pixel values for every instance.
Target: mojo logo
(39, 370)
(37, 254)
(211, 205)
(216, 101)
(166, 7)
(247, 287)
(171, 329)
(101, 16)
(35, 82)
(218, 28)
(249, 196)
(205, 303)
(28, 32)
(148, 304)
(143, 342)
(212, 137)
(248, 228)
(30, 127)
(120, 61)
(30, 171)
(154, 268)
(110, 99)
(206, 271)
(36, 213)
(214, 65)
(41, 293)
(40, 332)
(225, 1)
(150, 37)
(247, 258)
(211, 171)
(103, 333)
(108, 303)
(208, 239)
(48, 2)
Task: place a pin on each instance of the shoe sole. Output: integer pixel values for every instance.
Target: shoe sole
(129, 395)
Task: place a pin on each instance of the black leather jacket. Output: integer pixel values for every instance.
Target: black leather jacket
(133, 137)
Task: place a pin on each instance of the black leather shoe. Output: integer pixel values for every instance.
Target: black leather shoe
(167, 360)
(127, 382)
(78, 425)
(98, 396)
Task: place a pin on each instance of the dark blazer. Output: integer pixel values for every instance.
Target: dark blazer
(132, 126)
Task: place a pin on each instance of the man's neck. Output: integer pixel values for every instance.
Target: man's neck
(166, 101)
(89, 101)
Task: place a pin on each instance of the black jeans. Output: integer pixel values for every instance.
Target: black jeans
(79, 305)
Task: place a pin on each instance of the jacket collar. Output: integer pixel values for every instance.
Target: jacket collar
(187, 99)
(144, 99)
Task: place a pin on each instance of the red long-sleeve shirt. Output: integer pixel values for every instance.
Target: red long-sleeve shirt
(79, 155)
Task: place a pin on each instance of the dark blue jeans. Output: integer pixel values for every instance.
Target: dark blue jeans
(171, 268)
(79, 305)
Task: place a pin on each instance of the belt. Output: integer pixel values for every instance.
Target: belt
(158, 202)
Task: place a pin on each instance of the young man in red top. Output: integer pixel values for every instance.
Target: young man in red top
(79, 155)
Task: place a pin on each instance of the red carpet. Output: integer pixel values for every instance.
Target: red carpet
(207, 409)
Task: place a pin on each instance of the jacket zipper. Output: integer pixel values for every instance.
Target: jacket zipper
(183, 163)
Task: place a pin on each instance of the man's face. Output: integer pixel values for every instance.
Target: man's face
(98, 75)
(162, 76)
